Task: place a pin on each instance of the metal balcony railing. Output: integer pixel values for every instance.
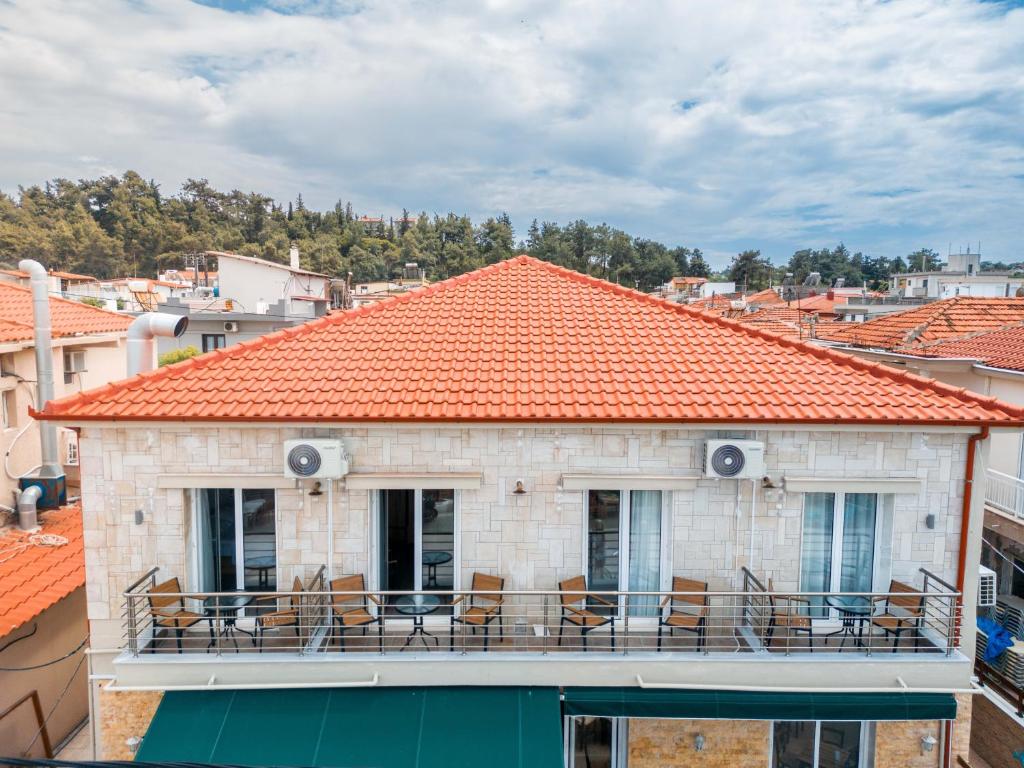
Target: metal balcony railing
(354, 623)
(1004, 492)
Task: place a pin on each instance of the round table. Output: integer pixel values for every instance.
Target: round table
(432, 559)
(854, 611)
(262, 565)
(417, 606)
(226, 608)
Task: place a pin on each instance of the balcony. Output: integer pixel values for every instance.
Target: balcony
(685, 638)
(1005, 493)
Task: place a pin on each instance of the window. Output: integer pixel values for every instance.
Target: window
(822, 745)
(74, 362)
(838, 549)
(70, 447)
(624, 545)
(235, 534)
(212, 341)
(10, 408)
(596, 742)
(417, 539)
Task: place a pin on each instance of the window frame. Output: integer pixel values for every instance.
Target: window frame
(625, 507)
(619, 745)
(882, 509)
(866, 746)
(220, 341)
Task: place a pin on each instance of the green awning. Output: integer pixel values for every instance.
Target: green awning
(757, 705)
(380, 727)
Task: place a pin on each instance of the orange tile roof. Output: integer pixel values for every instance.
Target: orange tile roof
(34, 576)
(767, 296)
(53, 273)
(937, 321)
(996, 349)
(68, 318)
(523, 340)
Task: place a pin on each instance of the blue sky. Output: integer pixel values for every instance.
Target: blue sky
(780, 125)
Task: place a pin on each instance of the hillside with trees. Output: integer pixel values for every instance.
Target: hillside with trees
(116, 226)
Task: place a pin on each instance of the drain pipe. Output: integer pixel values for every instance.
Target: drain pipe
(27, 501)
(40, 284)
(141, 333)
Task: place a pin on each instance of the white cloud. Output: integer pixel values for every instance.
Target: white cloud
(779, 125)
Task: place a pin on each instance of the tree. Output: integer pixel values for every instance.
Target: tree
(750, 271)
(698, 267)
(924, 260)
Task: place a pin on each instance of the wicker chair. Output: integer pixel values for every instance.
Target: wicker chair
(479, 610)
(902, 612)
(168, 611)
(576, 613)
(793, 616)
(686, 612)
(353, 611)
(285, 617)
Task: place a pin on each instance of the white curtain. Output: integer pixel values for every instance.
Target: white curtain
(644, 550)
(858, 542)
(816, 552)
(205, 543)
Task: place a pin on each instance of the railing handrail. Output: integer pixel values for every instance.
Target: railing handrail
(929, 575)
(1003, 476)
(749, 576)
(134, 585)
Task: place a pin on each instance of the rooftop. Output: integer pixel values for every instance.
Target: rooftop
(261, 262)
(39, 569)
(937, 321)
(996, 349)
(53, 273)
(524, 340)
(68, 318)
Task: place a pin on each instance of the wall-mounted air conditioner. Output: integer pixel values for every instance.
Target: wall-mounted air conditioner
(315, 459)
(986, 587)
(231, 327)
(734, 459)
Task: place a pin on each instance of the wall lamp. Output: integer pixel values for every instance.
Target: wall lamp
(928, 743)
(316, 489)
(520, 489)
(698, 742)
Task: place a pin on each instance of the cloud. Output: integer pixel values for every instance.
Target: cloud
(776, 125)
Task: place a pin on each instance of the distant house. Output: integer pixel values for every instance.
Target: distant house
(67, 285)
(961, 276)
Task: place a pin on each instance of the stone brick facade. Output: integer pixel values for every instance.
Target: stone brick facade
(124, 715)
(670, 743)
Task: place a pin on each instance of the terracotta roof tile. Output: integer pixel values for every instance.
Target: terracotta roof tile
(68, 318)
(937, 321)
(996, 349)
(526, 340)
(34, 577)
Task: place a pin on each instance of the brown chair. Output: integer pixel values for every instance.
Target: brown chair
(480, 609)
(575, 611)
(285, 617)
(168, 611)
(903, 611)
(793, 615)
(686, 612)
(353, 611)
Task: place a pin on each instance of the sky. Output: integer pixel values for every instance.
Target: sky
(777, 125)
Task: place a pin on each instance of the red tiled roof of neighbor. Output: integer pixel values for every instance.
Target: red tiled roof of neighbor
(35, 577)
(996, 349)
(523, 340)
(819, 303)
(767, 296)
(937, 321)
(68, 318)
(53, 273)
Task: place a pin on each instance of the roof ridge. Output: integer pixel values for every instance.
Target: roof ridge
(969, 336)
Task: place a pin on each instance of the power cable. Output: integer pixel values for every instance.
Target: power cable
(56, 704)
(50, 663)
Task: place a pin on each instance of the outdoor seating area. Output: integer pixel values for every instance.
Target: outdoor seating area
(343, 616)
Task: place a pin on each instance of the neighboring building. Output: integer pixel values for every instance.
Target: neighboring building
(257, 284)
(961, 276)
(549, 431)
(43, 631)
(141, 294)
(67, 285)
(218, 327)
(88, 351)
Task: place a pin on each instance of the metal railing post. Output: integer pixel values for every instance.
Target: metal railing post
(546, 630)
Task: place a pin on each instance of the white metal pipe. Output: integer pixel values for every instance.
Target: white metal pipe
(143, 331)
(244, 686)
(39, 281)
(799, 689)
(27, 501)
(330, 530)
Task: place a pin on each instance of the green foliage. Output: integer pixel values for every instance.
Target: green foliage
(93, 302)
(750, 271)
(857, 268)
(177, 355)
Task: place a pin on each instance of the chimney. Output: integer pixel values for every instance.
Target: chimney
(293, 256)
(831, 295)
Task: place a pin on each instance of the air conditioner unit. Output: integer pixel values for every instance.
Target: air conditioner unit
(315, 459)
(734, 459)
(231, 327)
(986, 587)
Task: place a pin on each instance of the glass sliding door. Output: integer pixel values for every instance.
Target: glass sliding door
(839, 544)
(625, 545)
(416, 549)
(236, 539)
(597, 742)
(810, 744)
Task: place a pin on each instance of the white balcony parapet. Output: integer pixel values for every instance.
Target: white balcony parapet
(1005, 493)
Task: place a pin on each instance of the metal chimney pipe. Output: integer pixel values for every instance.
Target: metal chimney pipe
(39, 281)
(27, 501)
(141, 333)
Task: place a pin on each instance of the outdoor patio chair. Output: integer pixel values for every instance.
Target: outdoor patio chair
(576, 612)
(790, 613)
(901, 612)
(353, 611)
(686, 612)
(479, 609)
(285, 617)
(168, 611)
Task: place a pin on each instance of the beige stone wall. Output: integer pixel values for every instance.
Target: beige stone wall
(898, 744)
(122, 716)
(727, 743)
(533, 540)
(995, 736)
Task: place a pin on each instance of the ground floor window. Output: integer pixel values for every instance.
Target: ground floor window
(596, 742)
(810, 744)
